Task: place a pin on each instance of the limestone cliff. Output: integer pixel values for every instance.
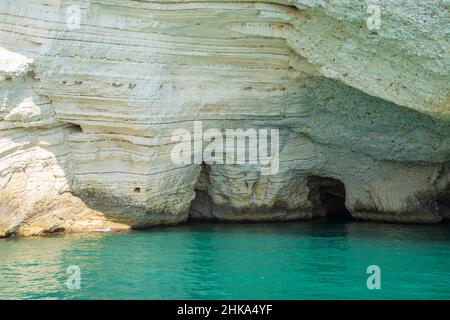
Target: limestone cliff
(91, 91)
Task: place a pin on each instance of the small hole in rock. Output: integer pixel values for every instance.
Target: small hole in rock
(137, 190)
(75, 127)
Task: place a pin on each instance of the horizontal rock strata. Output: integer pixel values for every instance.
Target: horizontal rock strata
(87, 111)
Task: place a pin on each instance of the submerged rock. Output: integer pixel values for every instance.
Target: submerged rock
(92, 91)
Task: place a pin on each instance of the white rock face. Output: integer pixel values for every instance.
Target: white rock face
(89, 103)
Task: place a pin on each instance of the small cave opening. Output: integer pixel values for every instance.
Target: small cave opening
(202, 206)
(443, 202)
(328, 198)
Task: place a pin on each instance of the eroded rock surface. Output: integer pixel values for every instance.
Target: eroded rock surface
(87, 111)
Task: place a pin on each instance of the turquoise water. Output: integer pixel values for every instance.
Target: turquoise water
(308, 260)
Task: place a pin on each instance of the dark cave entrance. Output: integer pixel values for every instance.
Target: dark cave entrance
(201, 207)
(328, 198)
(443, 201)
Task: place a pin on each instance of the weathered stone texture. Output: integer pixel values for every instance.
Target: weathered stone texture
(86, 114)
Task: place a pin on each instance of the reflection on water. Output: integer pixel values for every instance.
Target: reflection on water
(305, 260)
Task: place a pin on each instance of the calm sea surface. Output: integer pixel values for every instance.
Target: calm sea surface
(307, 260)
